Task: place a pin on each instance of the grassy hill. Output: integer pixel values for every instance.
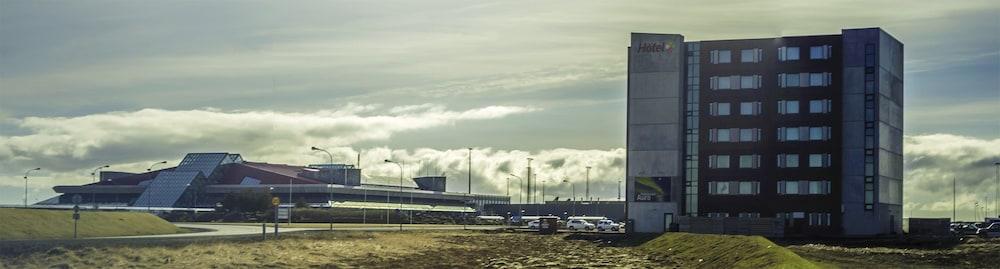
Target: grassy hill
(17, 223)
(724, 251)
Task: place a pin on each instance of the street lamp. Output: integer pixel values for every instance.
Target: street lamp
(327, 153)
(587, 186)
(574, 194)
(400, 191)
(997, 200)
(26, 185)
(470, 170)
(93, 176)
(154, 164)
(520, 185)
(531, 194)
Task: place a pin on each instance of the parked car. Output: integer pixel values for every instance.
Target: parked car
(964, 229)
(579, 224)
(607, 225)
(990, 231)
(534, 224)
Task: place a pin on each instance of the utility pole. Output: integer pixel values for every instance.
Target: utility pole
(470, 170)
(26, 185)
(587, 188)
(619, 190)
(954, 195)
(529, 182)
(997, 200)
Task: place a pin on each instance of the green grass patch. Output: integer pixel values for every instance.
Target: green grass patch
(724, 251)
(17, 223)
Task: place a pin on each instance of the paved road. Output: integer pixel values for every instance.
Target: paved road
(216, 230)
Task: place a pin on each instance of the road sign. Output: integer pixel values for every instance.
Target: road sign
(275, 201)
(77, 199)
(283, 212)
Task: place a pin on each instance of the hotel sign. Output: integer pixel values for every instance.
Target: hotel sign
(655, 47)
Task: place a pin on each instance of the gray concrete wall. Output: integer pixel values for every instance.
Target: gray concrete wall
(886, 216)
(654, 123)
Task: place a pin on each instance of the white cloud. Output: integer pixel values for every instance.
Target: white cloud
(69, 143)
(933, 161)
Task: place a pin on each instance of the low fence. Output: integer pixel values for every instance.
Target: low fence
(767, 227)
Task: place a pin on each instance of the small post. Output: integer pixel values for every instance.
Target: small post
(331, 223)
(263, 231)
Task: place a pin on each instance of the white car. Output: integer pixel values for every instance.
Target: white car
(534, 224)
(990, 231)
(579, 224)
(607, 225)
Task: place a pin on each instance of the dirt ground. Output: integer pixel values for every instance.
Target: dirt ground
(418, 249)
(970, 253)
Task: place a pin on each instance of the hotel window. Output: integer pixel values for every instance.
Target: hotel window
(804, 187)
(718, 215)
(749, 215)
(819, 219)
(723, 135)
(750, 108)
(750, 135)
(819, 133)
(820, 52)
(819, 160)
(718, 109)
(788, 107)
(791, 133)
(749, 161)
(718, 161)
(820, 106)
(735, 82)
(733, 187)
(721, 56)
(788, 160)
(751, 55)
(788, 53)
(804, 80)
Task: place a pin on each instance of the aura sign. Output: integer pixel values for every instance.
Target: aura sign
(653, 47)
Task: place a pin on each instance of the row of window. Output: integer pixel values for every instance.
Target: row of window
(804, 133)
(820, 106)
(784, 161)
(756, 55)
(752, 82)
(735, 82)
(815, 219)
(815, 106)
(734, 135)
(724, 109)
(733, 187)
(723, 161)
(797, 187)
(815, 160)
(804, 187)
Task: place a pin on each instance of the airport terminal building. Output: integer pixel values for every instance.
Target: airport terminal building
(805, 129)
(202, 180)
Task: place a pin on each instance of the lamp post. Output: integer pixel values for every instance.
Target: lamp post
(470, 170)
(400, 190)
(323, 150)
(574, 194)
(528, 174)
(93, 176)
(587, 186)
(520, 185)
(154, 164)
(997, 200)
(543, 189)
(329, 186)
(26, 185)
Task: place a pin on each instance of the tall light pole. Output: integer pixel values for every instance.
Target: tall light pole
(470, 170)
(154, 164)
(530, 193)
(325, 151)
(619, 189)
(997, 200)
(587, 186)
(400, 191)
(329, 187)
(543, 189)
(26, 185)
(574, 194)
(520, 185)
(93, 176)
(508, 188)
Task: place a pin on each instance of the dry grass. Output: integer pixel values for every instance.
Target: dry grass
(412, 249)
(18, 223)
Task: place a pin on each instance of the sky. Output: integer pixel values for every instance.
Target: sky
(131, 83)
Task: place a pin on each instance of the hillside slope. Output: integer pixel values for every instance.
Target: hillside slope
(17, 223)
